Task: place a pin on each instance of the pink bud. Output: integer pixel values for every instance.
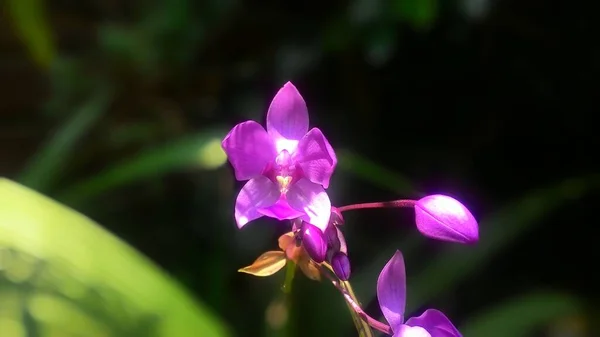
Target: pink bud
(444, 218)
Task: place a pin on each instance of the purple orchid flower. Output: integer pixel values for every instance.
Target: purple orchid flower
(391, 293)
(288, 166)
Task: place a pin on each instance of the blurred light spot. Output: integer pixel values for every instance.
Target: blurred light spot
(277, 314)
(364, 11)
(246, 70)
(475, 9)
(212, 155)
(11, 328)
(381, 48)
(292, 61)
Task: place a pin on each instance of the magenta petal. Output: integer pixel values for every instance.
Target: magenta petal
(249, 149)
(316, 157)
(311, 199)
(287, 117)
(436, 323)
(391, 291)
(412, 331)
(258, 193)
(281, 210)
(444, 218)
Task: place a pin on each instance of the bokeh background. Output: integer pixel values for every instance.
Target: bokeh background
(116, 108)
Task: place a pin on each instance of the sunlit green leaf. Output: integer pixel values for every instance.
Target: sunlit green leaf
(457, 262)
(202, 150)
(47, 163)
(520, 316)
(30, 24)
(63, 271)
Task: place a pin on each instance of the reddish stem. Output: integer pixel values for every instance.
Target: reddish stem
(380, 204)
(375, 324)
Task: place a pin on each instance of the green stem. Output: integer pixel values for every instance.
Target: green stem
(362, 326)
(290, 272)
(286, 288)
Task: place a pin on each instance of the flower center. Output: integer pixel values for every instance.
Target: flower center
(285, 170)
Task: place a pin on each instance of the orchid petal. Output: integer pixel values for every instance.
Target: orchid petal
(287, 118)
(412, 331)
(436, 323)
(258, 193)
(311, 199)
(316, 157)
(281, 210)
(391, 291)
(249, 149)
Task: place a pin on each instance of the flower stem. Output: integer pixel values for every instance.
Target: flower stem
(282, 326)
(290, 272)
(380, 204)
(348, 294)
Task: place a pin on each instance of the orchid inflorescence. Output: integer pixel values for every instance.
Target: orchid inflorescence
(288, 168)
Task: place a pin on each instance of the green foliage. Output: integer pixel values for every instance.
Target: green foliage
(62, 274)
(522, 315)
(200, 151)
(421, 14)
(46, 165)
(30, 24)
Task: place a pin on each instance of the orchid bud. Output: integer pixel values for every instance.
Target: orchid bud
(444, 218)
(333, 241)
(341, 266)
(314, 242)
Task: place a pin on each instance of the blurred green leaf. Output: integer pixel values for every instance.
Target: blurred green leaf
(202, 150)
(47, 163)
(457, 262)
(374, 173)
(421, 14)
(31, 25)
(338, 34)
(520, 316)
(71, 255)
(381, 45)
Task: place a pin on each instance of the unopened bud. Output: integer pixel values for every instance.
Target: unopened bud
(444, 218)
(314, 242)
(341, 266)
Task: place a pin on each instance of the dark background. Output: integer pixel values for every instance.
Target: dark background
(491, 102)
